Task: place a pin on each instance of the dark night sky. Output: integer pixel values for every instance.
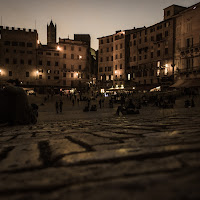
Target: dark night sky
(95, 17)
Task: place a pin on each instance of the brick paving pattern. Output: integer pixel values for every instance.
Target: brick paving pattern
(153, 155)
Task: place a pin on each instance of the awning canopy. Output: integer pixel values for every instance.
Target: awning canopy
(187, 83)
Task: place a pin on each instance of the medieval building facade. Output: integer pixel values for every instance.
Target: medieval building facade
(152, 56)
(187, 50)
(62, 64)
(18, 55)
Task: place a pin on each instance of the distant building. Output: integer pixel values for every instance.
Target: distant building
(111, 60)
(18, 55)
(152, 56)
(66, 64)
(83, 38)
(187, 49)
(51, 34)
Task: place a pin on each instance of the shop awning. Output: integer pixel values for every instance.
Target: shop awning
(187, 83)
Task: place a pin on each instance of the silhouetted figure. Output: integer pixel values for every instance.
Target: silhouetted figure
(118, 110)
(111, 103)
(93, 108)
(61, 105)
(73, 102)
(130, 104)
(187, 103)
(103, 102)
(100, 103)
(192, 103)
(56, 107)
(88, 103)
(122, 100)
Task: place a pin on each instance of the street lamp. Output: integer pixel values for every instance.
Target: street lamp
(173, 65)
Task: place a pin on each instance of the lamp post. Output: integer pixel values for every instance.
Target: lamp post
(173, 65)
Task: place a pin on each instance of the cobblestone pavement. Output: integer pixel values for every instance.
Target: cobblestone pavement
(153, 155)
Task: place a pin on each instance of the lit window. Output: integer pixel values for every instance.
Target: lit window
(129, 77)
(158, 64)
(158, 72)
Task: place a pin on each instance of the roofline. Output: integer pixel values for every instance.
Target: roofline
(175, 5)
(139, 29)
(136, 29)
(187, 9)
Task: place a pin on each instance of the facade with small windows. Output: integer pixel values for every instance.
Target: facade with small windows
(64, 64)
(187, 49)
(119, 53)
(151, 54)
(105, 61)
(111, 63)
(154, 55)
(18, 55)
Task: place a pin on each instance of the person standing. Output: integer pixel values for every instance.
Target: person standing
(100, 103)
(56, 107)
(103, 101)
(61, 105)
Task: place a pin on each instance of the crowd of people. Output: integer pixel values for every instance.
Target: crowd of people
(126, 102)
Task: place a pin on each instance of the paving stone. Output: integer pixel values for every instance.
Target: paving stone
(154, 155)
(61, 147)
(20, 157)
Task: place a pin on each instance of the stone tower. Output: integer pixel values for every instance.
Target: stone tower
(51, 33)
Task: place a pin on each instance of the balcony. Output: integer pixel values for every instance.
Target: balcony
(188, 51)
(118, 79)
(195, 69)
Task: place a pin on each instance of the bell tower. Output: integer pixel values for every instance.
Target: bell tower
(51, 33)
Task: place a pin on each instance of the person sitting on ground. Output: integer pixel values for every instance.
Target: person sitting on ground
(130, 104)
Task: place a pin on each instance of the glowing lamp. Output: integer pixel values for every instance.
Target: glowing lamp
(58, 48)
(102, 90)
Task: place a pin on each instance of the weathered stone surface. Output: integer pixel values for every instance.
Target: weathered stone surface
(152, 156)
